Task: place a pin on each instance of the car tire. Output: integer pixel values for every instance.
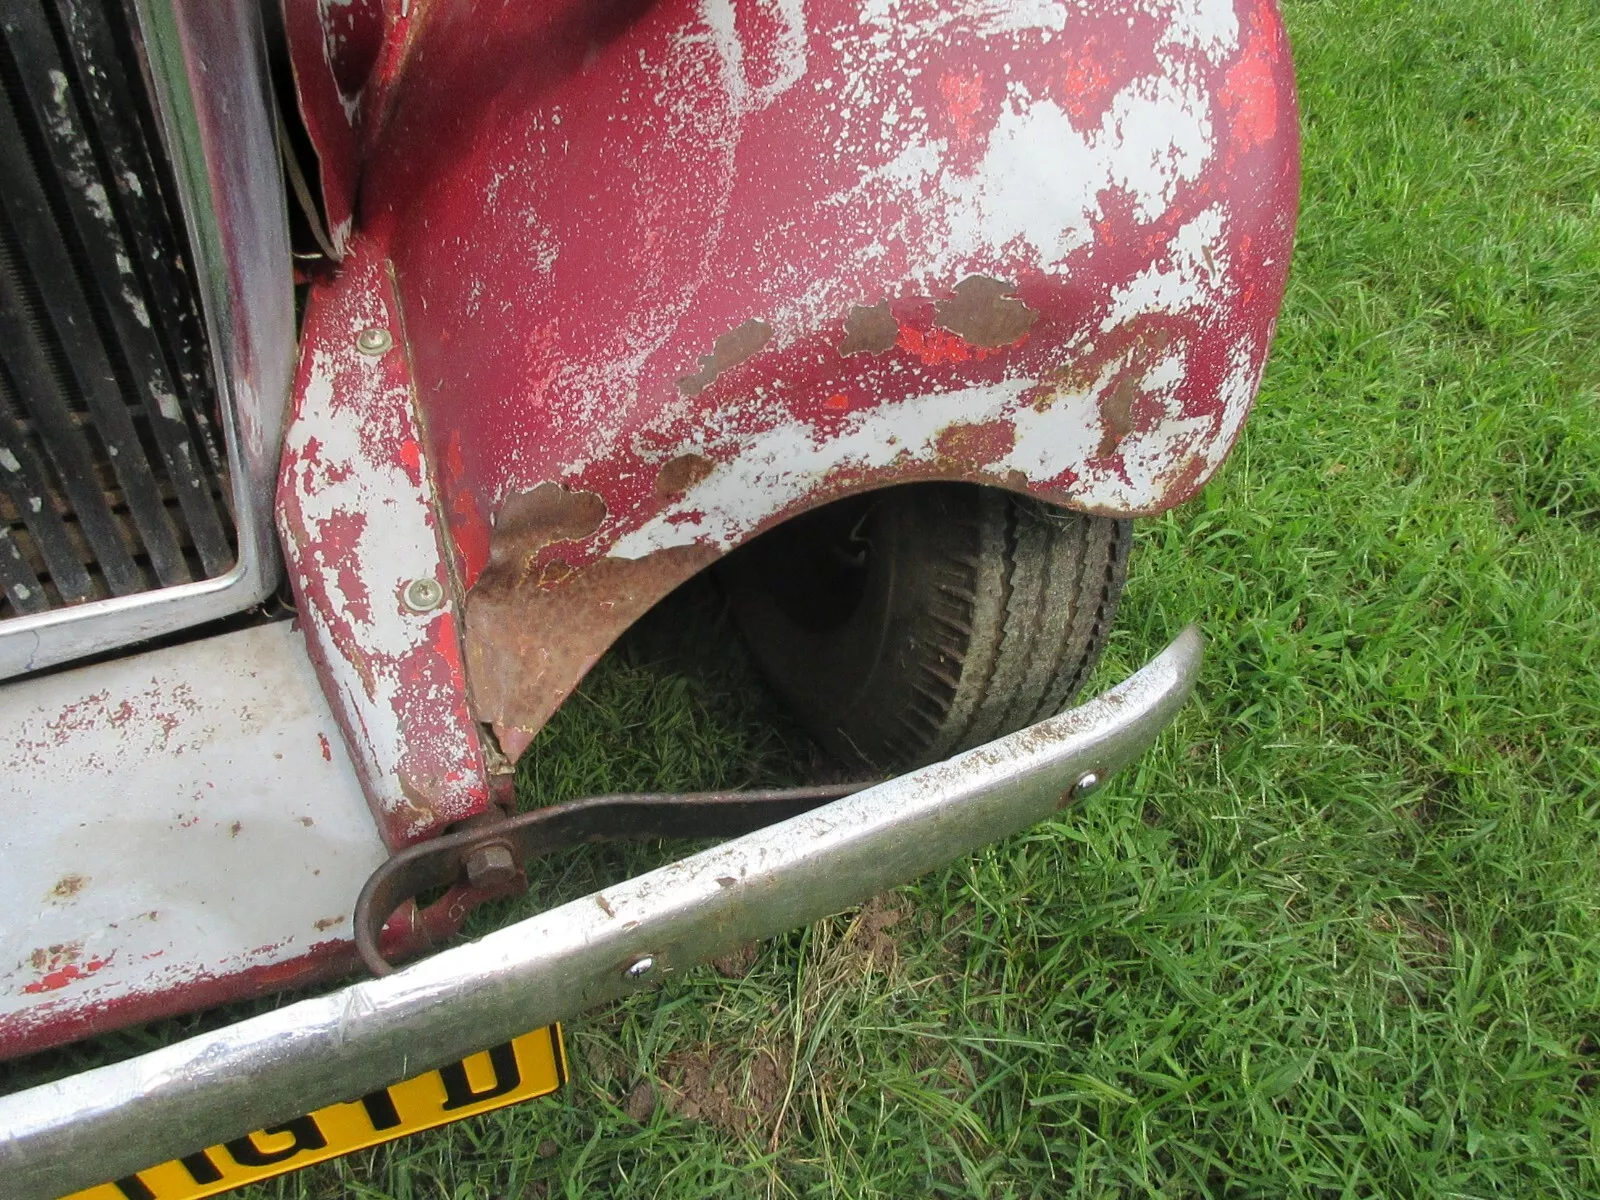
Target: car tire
(907, 624)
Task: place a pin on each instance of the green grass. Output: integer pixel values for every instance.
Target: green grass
(1339, 934)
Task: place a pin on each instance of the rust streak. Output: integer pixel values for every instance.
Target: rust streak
(1116, 415)
(555, 573)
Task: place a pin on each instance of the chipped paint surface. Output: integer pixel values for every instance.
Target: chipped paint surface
(323, 38)
(355, 512)
(792, 228)
(345, 56)
(815, 250)
(197, 847)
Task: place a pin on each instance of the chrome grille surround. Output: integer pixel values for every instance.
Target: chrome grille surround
(219, 139)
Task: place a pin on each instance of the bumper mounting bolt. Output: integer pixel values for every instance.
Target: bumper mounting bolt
(374, 341)
(491, 866)
(1089, 782)
(640, 967)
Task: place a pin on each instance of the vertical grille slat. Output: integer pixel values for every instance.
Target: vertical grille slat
(21, 585)
(105, 149)
(41, 242)
(28, 490)
(119, 487)
(68, 448)
(146, 192)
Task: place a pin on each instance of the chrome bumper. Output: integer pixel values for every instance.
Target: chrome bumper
(115, 1120)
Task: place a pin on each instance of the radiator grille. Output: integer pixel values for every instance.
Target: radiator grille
(111, 481)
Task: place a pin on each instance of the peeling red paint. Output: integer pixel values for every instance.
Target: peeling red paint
(1249, 94)
(469, 530)
(963, 96)
(1088, 81)
(628, 242)
(154, 714)
(59, 978)
(409, 455)
(346, 58)
(934, 347)
(333, 537)
(356, 517)
(182, 990)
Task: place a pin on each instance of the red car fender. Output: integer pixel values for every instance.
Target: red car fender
(673, 273)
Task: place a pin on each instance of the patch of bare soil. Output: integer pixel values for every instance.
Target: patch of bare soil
(736, 963)
(738, 1093)
(869, 934)
(641, 1102)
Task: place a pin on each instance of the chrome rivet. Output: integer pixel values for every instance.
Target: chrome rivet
(374, 341)
(423, 595)
(640, 967)
(1086, 784)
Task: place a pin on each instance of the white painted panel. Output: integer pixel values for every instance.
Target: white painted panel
(177, 816)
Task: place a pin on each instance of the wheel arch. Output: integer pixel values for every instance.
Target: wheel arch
(674, 273)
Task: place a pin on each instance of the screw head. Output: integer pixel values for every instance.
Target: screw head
(640, 967)
(423, 595)
(1086, 784)
(374, 341)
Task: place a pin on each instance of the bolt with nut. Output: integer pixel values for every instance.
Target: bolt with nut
(491, 866)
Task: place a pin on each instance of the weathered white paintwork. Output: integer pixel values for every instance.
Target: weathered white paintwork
(356, 501)
(176, 817)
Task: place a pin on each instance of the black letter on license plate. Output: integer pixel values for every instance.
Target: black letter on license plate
(458, 1088)
(306, 1137)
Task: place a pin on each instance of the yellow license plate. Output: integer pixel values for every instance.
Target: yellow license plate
(524, 1068)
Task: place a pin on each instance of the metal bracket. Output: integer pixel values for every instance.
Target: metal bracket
(543, 831)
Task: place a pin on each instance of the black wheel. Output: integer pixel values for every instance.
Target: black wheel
(907, 624)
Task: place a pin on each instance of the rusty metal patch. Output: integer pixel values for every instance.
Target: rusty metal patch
(529, 645)
(869, 330)
(530, 521)
(1116, 415)
(729, 350)
(973, 445)
(985, 312)
(680, 474)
